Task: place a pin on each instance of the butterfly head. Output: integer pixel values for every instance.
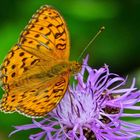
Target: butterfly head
(75, 67)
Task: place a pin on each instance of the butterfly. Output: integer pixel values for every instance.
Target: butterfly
(36, 71)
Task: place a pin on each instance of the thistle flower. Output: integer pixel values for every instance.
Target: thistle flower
(92, 109)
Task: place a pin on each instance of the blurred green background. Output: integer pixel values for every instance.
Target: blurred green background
(118, 46)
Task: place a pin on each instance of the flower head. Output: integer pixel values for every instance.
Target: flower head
(91, 110)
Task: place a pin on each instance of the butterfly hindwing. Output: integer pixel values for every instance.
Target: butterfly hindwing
(38, 102)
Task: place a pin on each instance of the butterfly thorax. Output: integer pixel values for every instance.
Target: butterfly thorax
(75, 67)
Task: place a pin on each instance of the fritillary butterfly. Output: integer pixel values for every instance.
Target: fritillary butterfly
(36, 71)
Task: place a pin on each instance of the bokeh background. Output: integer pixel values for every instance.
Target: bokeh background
(118, 46)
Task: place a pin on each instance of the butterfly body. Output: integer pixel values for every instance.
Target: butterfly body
(45, 74)
(35, 73)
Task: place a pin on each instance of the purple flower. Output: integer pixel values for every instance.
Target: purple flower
(92, 109)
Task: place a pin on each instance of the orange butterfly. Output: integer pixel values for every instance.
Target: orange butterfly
(35, 73)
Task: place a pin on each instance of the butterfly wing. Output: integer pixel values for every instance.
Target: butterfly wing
(37, 103)
(44, 39)
(46, 34)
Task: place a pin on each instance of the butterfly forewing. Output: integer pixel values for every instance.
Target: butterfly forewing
(46, 34)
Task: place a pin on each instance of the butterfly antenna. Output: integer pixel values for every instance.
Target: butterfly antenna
(92, 40)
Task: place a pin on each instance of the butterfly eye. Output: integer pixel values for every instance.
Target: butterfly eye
(78, 65)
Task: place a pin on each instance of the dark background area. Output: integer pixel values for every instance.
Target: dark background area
(118, 46)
